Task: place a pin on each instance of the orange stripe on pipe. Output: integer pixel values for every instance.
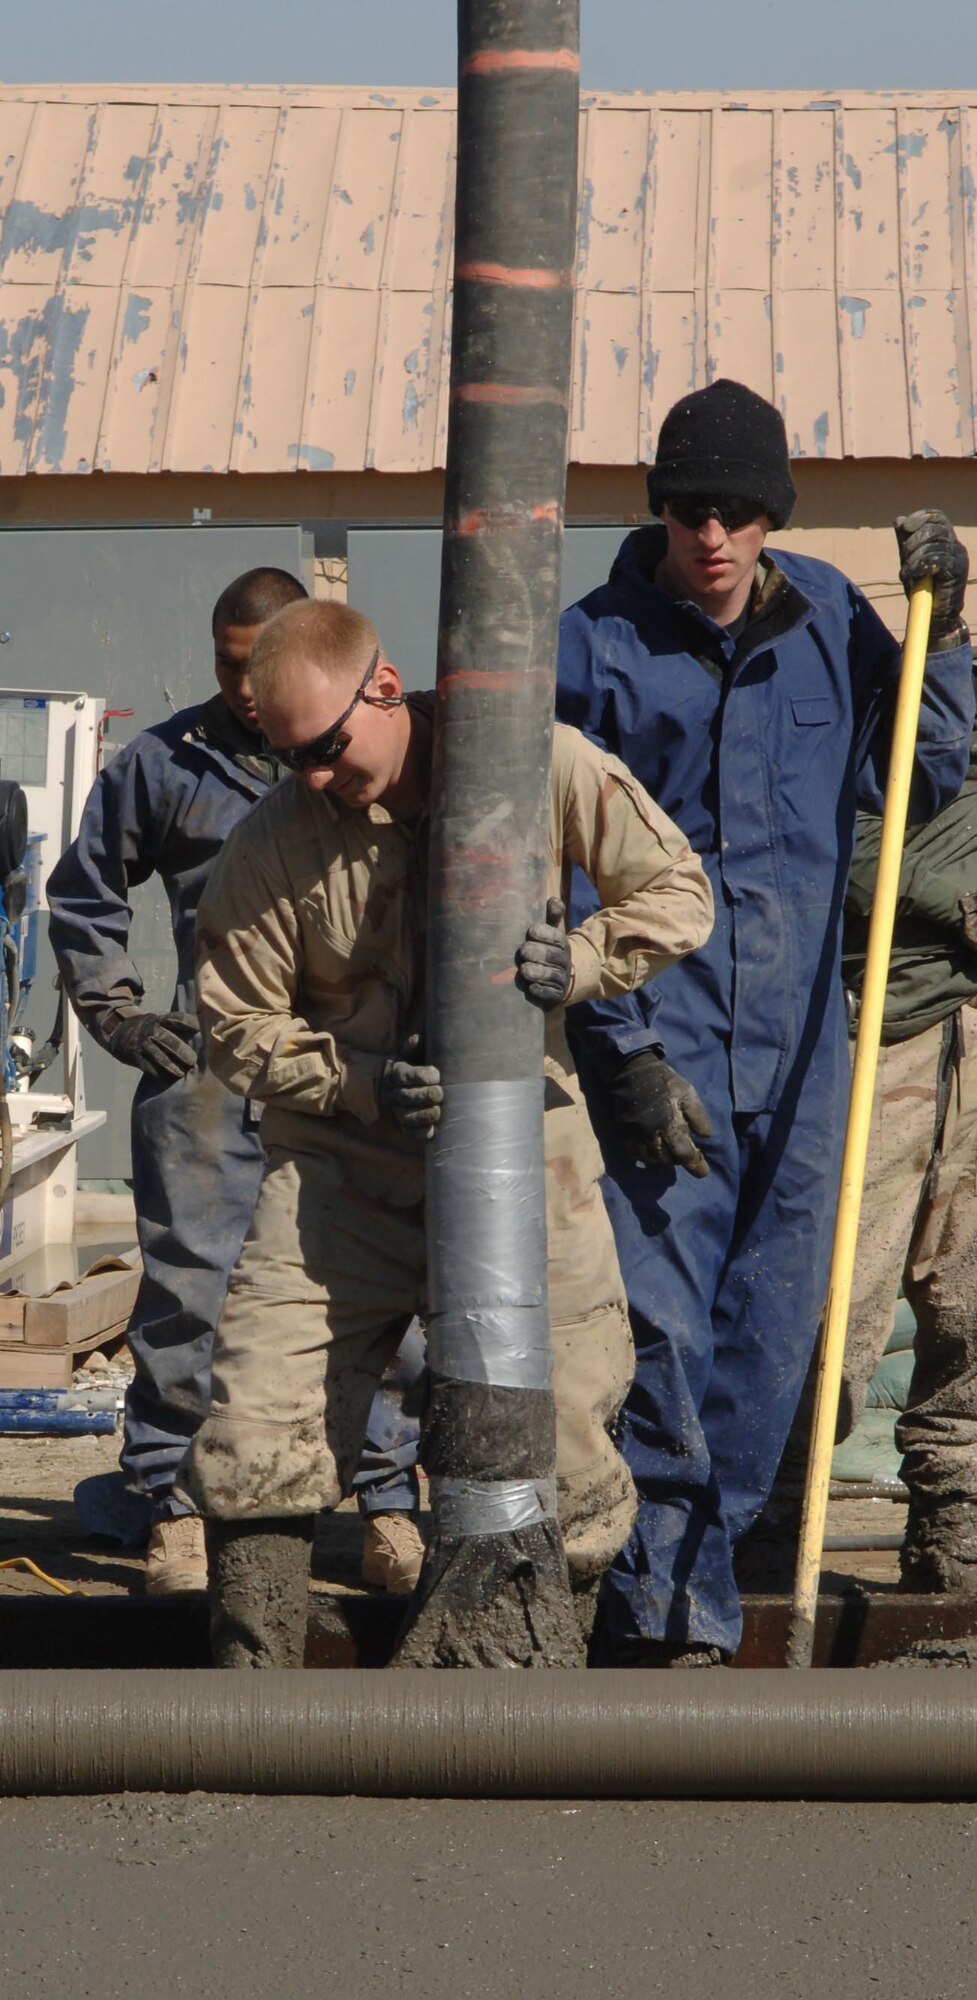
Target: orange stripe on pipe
(479, 677)
(491, 63)
(513, 278)
(485, 520)
(507, 392)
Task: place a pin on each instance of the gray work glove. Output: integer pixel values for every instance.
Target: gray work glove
(543, 962)
(410, 1092)
(657, 1111)
(161, 1045)
(928, 546)
(968, 920)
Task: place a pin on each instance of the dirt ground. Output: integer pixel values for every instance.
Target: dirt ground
(38, 1477)
(241, 1898)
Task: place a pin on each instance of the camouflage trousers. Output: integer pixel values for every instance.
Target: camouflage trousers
(918, 1226)
(326, 1283)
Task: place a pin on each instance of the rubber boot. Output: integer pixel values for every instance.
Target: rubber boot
(258, 1587)
(939, 1552)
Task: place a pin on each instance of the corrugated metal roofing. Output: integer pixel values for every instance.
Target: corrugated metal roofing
(256, 281)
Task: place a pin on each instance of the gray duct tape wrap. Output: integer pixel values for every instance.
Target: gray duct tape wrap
(488, 1317)
(491, 1506)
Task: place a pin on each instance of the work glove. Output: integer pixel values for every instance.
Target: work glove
(968, 920)
(410, 1092)
(657, 1111)
(929, 547)
(543, 962)
(161, 1045)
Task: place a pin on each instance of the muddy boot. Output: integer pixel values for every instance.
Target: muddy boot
(611, 1649)
(259, 1591)
(939, 1552)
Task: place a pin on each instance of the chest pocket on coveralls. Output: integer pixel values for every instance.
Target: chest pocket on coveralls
(811, 710)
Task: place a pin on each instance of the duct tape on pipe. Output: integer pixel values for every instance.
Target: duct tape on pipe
(488, 1315)
(491, 1506)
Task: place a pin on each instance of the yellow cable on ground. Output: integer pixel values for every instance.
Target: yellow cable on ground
(800, 1642)
(24, 1562)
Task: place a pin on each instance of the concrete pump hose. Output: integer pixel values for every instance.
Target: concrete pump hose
(909, 1732)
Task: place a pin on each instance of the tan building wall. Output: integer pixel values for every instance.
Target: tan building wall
(844, 513)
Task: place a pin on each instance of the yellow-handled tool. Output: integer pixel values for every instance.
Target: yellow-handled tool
(800, 1644)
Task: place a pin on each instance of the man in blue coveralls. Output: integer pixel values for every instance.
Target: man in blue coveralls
(165, 805)
(752, 694)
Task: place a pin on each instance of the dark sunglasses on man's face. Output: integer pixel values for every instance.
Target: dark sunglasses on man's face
(694, 510)
(328, 748)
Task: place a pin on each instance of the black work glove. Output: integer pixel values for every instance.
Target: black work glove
(657, 1111)
(161, 1045)
(929, 547)
(543, 962)
(410, 1092)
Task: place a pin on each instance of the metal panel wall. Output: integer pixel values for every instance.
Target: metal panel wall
(124, 613)
(395, 577)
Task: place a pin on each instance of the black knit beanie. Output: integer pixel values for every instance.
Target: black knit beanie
(725, 443)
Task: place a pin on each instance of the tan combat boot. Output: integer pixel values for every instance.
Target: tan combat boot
(175, 1558)
(392, 1553)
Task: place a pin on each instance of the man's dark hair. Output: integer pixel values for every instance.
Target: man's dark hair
(255, 597)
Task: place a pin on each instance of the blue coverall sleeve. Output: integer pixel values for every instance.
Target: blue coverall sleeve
(88, 891)
(946, 716)
(603, 1032)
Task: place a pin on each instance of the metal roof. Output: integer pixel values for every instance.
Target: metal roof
(250, 280)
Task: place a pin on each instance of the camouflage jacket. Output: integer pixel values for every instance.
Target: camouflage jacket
(310, 947)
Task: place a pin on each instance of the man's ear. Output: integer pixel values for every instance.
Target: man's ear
(387, 680)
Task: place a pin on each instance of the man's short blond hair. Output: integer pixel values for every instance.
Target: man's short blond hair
(332, 636)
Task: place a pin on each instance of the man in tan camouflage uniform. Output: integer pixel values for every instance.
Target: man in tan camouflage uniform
(310, 984)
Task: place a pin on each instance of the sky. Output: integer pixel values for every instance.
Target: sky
(626, 44)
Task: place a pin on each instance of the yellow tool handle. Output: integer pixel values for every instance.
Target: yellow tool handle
(800, 1644)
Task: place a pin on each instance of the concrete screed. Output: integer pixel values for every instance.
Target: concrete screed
(241, 1898)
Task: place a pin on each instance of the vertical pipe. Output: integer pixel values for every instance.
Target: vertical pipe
(494, 1587)
(800, 1642)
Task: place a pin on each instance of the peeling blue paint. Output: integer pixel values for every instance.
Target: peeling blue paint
(778, 363)
(856, 216)
(428, 103)
(767, 307)
(411, 408)
(928, 450)
(246, 388)
(250, 198)
(37, 232)
(856, 310)
(342, 194)
(821, 434)
(307, 311)
(853, 173)
(586, 215)
(916, 300)
(650, 370)
(410, 361)
(136, 320)
(134, 169)
(378, 97)
(349, 381)
(909, 145)
(143, 376)
(280, 197)
(216, 199)
(368, 239)
(311, 457)
(620, 357)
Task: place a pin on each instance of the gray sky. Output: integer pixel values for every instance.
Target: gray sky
(627, 44)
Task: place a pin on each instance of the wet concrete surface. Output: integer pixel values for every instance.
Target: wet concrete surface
(240, 1899)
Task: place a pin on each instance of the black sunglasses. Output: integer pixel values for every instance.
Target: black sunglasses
(695, 509)
(327, 748)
